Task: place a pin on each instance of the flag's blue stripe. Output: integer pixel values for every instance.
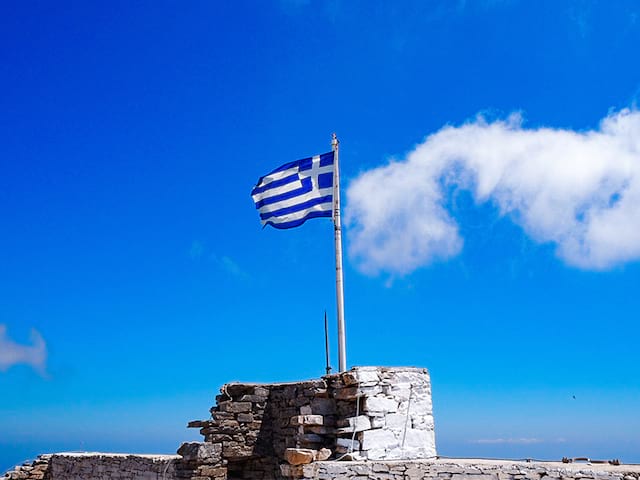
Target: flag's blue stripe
(325, 180)
(295, 163)
(276, 183)
(326, 159)
(307, 186)
(297, 223)
(296, 208)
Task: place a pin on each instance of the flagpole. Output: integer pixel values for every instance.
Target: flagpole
(337, 228)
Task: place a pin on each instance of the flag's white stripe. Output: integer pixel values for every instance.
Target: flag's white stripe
(321, 207)
(277, 191)
(290, 171)
(272, 192)
(278, 175)
(290, 202)
(317, 170)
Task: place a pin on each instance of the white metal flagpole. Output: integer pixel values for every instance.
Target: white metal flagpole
(342, 348)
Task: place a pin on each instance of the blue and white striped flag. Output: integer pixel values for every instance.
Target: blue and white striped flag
(296, 192)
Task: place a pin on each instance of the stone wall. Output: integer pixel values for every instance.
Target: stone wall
(464, 469)
(96, 466)
(254, 425)
(101, 466)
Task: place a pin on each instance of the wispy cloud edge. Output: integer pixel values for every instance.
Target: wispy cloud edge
(12, 353)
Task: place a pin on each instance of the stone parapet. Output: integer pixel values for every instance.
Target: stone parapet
(461, 469)
(105, 466)
(96, 466)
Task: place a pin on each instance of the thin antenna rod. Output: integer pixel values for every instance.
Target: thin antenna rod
(326, 343)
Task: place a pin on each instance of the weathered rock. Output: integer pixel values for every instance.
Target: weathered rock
(346, 444)
(235, 407)
(380, 404)
(355, 424)
(201, 452)
(299, 456)
(244, 418)
(323, 454)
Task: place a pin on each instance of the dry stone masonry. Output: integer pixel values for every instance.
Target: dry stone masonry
(266, 431)
(100, 466)
(369, 423)
(393, 416)
(96, 466)
(464, 469)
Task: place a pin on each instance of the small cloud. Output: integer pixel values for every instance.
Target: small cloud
(514, 441)
(12, 353)
(231, 266)
(196, 250)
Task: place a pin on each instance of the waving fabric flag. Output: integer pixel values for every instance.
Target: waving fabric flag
(295, 192)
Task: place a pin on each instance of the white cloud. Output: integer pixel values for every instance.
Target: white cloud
(515, 441)
(518, 441)
(196, 250)
(12, 353)
(577, 190)
(232, 267)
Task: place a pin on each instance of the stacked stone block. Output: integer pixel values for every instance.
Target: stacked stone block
(256, 426)
(201, 461)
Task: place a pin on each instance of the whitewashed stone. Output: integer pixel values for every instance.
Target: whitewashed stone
(416, 439)
(375, 454)
(378, 439)
(395, 421)
(356, 424)
(377, 422)
(380, 405)
(421, 403)
(367, 376)
(348, 444)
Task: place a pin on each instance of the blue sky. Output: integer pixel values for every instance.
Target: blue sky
(135, 276)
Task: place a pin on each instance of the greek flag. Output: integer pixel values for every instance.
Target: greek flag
(296, 192)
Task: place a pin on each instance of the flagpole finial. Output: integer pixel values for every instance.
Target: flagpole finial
(334, 140)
